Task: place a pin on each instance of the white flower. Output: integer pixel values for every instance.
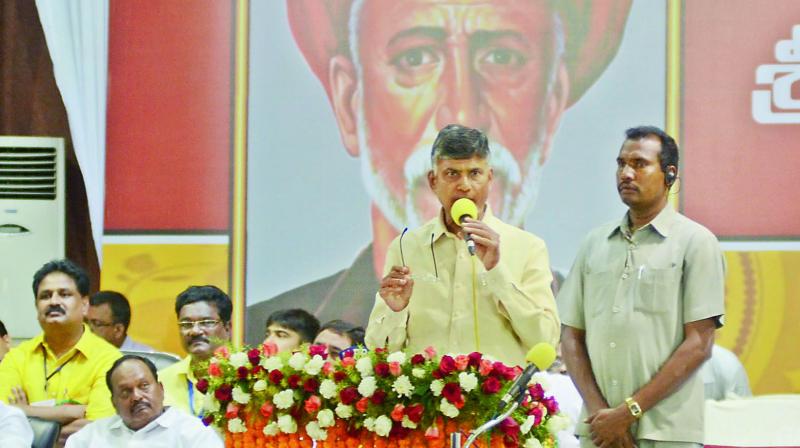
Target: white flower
(297, 361)
(533, 442)
(398, 357)
(448, 409)
(557, 423)
(272, 363)
(344, 411)
(236, 425)
(436, 387)
(314, 366)
(369, 423)
(367, 386)
(468, 381)
(327, 389)
(286, 424)
(325, 418)
(283, 399)
(416, 372)
(271, 429)
(402, 386)
(315, 432)
(260, 386)
(407, 423)
(240, 396)
(239, 359)
(210, 403)
(364, 366)
(527, 425)
(383, 425)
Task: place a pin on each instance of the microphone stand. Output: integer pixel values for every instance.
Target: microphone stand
(455, 442)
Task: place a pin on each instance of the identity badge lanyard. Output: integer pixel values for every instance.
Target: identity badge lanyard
(191, 399)
(58, 369)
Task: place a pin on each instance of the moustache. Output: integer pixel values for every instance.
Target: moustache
(139, 406)
(55, 308)
(627, 185)
(199, 339)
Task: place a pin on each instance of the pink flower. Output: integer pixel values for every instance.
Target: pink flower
(395, 369)
(475, 359)
(485, 367)
(312, 404)
(266, 410)
(430, 352)
(397, 412)
(214, 370)
(510, 428)
(269, 349)
(551, 404)
(327, 368)
(432, 433)
(362, 404)
(232, 411)
(222, 352)
(348, 361)
(536, 412)
(462, 361)
(536, 391)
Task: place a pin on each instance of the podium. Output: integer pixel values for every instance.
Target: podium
(259, 398)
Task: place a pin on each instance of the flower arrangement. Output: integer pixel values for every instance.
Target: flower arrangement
(261, 398)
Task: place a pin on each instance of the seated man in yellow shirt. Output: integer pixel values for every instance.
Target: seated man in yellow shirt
(60, 374)
(204, 322)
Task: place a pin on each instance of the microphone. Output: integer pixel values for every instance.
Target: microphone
(540, 358)
(465, 208)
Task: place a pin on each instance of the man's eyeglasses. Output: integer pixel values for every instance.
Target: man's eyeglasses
(208, 324)
(94, 323)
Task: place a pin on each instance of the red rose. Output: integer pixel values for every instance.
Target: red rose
(437, 374)
(256, 369)
(208, 420)
(378, 397)
(348, 395)
(398, 431)
(417, 359)
(380, 350)
(214, 370)
(242, 372)
(311, 385)
(382, 369)
(362, 404)
(202, 386)
(536, 391)
(275, 376)
(254, 355)
(224, 393)
(293, 381)
(318, 349)
(266, 410)
(414, 412)
(510, 428)
(339, 376)
(475, 359)
(491, 385)
(452, 391)
(447, 364)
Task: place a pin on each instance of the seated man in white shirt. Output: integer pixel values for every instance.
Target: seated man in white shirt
(141, 417)
(15, 431)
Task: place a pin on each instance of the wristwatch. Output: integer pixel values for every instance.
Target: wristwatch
(634, 407)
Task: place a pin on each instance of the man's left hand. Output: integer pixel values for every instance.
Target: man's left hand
(609, 427)
(487, 242)
(18, 397)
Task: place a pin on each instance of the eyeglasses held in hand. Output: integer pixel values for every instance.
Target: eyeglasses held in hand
(208, 324)
(433, 254)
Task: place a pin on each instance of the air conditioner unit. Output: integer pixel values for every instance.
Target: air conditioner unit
(32, 222)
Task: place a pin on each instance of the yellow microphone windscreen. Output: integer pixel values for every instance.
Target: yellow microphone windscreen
(541, 355)
(463, 207)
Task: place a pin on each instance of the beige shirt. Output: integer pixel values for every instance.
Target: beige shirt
(632, 294)
(515, 306)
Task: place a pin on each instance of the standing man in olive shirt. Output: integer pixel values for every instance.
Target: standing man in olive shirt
(640, 307)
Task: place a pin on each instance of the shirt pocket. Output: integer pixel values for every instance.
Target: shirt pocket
(599, 291)
(658, 285)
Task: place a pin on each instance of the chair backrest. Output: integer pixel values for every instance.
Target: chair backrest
(160, 359)
(45, 432)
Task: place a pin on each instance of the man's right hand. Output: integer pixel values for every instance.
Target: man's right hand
(396, 288)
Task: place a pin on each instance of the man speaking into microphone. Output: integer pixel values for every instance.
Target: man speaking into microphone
(434, 293)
